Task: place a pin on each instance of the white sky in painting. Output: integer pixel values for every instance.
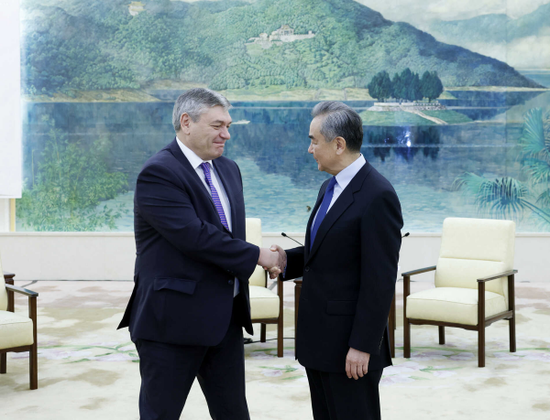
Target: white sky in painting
(419, 11)
(422, 11)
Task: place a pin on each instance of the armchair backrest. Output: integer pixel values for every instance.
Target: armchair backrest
(475, 248)
(254, 236)
(3, 292)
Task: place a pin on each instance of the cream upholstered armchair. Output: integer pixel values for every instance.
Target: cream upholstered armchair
(474, 282)
(17, 332)
(266, 307)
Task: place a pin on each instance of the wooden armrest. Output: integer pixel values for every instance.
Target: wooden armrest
(497, 276)
(419, 271)
(8, 277)
(18, 289)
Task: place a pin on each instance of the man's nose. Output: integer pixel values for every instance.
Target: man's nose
(224, 134)
(310, 149)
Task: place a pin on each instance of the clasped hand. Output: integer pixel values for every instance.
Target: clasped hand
(273, 260)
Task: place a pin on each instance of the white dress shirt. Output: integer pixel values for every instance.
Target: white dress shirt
(196, 164)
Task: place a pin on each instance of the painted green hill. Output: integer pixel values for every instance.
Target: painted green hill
(85, 45)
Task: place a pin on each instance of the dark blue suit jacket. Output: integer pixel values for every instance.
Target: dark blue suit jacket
(349, 275)
(186, 260)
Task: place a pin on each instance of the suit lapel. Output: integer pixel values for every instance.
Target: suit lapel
(340, 205)
(193, 177)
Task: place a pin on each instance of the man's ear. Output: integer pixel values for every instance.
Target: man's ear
(185, 122)
(341, 145)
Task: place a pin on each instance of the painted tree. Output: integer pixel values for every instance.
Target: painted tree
(380, 87)
(396, 86)
(431, 85)
(414, 89)
(406, 86)
(406, 78)
(65, 192)
(507, 197)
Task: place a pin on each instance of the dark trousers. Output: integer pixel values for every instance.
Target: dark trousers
(168, 371)
(336, 397)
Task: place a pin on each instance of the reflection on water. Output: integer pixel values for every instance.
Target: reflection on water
(281, 179)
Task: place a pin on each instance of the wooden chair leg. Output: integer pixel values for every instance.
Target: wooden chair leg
(481, 345)
(263, 329)
(512, 325)
(280, 327)
(441, 334)
(33, 366)
(512, 307)
(297, 292)
(3, 362)
(280, 337)
(406, 338)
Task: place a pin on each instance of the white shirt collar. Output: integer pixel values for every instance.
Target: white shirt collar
(344, 177)
(191, 156)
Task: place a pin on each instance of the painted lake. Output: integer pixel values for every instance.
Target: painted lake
(269, 141)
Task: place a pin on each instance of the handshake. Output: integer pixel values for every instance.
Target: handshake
(273, 260)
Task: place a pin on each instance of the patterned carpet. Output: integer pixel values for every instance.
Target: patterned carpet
(89, 370)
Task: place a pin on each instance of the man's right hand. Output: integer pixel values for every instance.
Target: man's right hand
(282, 257)
(273, 260)
(270, 260)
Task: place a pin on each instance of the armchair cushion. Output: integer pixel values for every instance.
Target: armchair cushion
(258, 277)
(15, 330)
(3, 293)
(475, 248)
(264, 304)
(452, 304)
(254, 236)
(462, 273)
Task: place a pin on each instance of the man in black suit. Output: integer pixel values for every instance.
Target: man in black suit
(349, 268)
(190, 299)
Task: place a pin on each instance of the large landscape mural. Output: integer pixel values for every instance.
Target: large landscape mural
(454, 100)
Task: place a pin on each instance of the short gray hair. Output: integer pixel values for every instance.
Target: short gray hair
(194, 102)
(340, 120)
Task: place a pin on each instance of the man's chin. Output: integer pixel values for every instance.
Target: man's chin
(218, 152)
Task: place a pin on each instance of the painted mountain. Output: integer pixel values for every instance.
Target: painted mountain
(523, 42)
(73, 45)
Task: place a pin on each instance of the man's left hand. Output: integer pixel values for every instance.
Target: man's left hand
(357, 363)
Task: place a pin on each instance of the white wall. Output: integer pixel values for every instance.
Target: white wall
(10, 105)
(110, 256)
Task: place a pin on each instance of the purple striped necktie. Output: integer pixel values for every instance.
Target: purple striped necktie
(215, 197)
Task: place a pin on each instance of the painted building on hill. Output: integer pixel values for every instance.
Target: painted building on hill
(284, 34)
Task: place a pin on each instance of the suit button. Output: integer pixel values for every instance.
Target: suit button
(231, 282)
(306, 269)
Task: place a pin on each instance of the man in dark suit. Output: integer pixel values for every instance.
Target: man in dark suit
(190, 299)
(349, 268)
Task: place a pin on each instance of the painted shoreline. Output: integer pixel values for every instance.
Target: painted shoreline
(263, 95)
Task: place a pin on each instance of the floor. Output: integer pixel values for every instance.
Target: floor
(89, 370)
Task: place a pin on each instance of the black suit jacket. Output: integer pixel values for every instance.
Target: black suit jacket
(349, 275)
(186, 261)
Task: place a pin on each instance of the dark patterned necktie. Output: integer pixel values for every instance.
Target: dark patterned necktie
(215, 197)
(329, 192)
